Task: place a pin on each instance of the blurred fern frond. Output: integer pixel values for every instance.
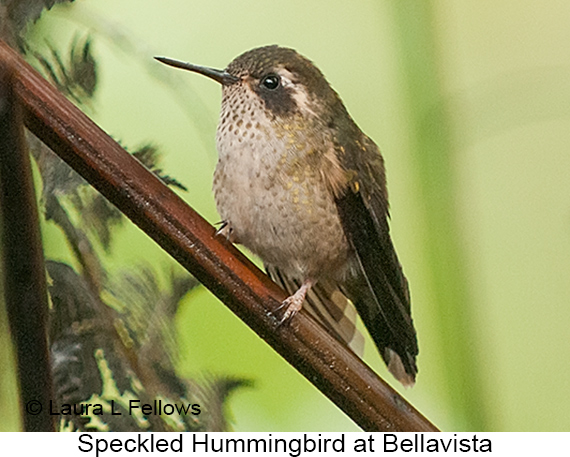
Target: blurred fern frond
(111, 341)
(76, 76)
(109, 358)
(149, 155)
(15, 15)
(149, 310)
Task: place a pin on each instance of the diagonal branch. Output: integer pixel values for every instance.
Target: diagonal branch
(183, 233)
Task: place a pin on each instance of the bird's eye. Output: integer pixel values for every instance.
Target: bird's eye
(270, 82)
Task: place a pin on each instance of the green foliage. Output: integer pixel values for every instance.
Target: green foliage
(111, 340)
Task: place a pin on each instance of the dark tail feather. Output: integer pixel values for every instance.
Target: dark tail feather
(396, 342)
(378, 287)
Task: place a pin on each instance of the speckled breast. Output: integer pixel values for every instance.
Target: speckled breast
(267, 185)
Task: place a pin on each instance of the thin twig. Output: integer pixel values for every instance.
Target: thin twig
(183, 233)
(24, 270)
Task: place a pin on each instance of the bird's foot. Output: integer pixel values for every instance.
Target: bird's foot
(226, 231)
(294, 303)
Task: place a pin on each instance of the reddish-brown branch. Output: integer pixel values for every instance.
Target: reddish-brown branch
(330, 366)
(25, 289)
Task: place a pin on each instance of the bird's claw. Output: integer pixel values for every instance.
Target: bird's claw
(226, 231)
(294, 303)
(292, 306)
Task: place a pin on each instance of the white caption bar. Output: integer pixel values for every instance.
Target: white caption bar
(286, 444)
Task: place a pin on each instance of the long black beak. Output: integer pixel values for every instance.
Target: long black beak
(222, 76)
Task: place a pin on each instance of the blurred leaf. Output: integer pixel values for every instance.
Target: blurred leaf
(99, 217)
(20, 12)
(15, 15)
(219, 390)
(83, 66)
(149, 155)
(149, 310)
(96, 215)
(92, 364)
(75, 76)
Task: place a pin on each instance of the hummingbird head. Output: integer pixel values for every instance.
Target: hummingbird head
(278, 79)
(279, 109)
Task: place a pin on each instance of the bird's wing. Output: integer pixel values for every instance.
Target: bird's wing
(328, 305)
(378, 288)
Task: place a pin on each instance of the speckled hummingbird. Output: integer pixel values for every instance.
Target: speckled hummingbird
(300, 185)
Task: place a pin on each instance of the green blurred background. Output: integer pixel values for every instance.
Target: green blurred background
(470, 104)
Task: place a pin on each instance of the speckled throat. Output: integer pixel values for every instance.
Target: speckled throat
(269, 185)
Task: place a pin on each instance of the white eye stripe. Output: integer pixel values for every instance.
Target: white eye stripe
(286, 77)
(298, 91)
(286, 82)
